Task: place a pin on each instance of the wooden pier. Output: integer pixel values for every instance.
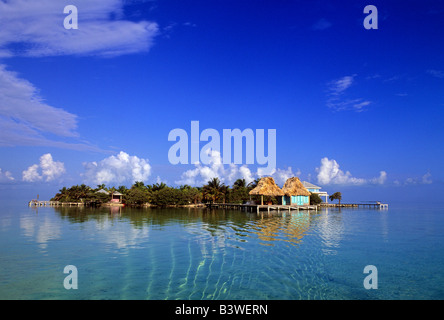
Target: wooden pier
(257, 207)
(37, 203)
(375, 205)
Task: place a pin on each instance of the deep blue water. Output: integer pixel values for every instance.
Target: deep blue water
(200, 254)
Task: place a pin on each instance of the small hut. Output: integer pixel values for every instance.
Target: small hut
(116, 197)
(266, 187)
(295, 193)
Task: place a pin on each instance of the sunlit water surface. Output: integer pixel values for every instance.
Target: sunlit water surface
(127, 253)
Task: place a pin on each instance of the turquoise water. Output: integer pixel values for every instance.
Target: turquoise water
(125, 253)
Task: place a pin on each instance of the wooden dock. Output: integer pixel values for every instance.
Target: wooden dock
(37, 203)
(257, 207)
(376, 205)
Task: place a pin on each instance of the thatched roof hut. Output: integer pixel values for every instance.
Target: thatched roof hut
(267, 187)
(294, 187)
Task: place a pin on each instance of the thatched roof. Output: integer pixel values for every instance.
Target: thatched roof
(294, 187)
(267, 187)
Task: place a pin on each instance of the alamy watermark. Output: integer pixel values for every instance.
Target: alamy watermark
(71, 280)
(371, 21)
(71, 20)
(371, 281)
(231, 152)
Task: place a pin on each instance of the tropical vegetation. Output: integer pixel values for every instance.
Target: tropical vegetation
(159, 194)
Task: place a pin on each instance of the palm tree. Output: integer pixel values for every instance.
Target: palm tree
(214, 190)
(336, 196)
(239, 183)
(122, 189)
(138, 184)
(253, 184)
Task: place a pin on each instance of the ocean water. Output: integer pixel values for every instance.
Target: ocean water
(183, 254)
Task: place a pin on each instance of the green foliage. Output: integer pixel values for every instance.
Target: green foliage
(136, 196)
(215, 191)
(315, 199)
(160, 194)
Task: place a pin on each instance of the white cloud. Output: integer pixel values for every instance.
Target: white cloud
(228, 174)
(281, 175)
(50, 170)
(337, 87)
(118, 169)
(25, 118)
(381, 179)
(21, 105)
(35, 28)
(425, 179)
(337, 95)
(202, 174)
(6, 176)
(32, 174)
(329, 173)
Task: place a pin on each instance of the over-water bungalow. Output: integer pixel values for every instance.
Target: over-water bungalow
(316, 189)
(295, 193)
(266, 187)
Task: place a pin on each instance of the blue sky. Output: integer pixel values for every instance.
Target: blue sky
(355, 110)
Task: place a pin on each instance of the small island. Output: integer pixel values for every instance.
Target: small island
(261, 191)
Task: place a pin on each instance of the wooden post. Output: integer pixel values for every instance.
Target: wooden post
(262, 200)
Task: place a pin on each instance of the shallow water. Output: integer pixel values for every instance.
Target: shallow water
(127, 253)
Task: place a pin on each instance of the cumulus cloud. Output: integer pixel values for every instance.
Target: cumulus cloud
(329, 173)
(36, 28)
(6, 176)
(201, 174)
(228, 174)
(381, 179)
(50, 170)
(338, 97)
(280, 175)
(118, 169)
(425, 179)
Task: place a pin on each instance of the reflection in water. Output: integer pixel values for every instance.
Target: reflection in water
(331, 231)
(221, 228)
(191, 253)
(42, 230)
(286, 227)
(129, 253)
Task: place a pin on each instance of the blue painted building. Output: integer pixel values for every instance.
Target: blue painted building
(316, 189)
(295, 193)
